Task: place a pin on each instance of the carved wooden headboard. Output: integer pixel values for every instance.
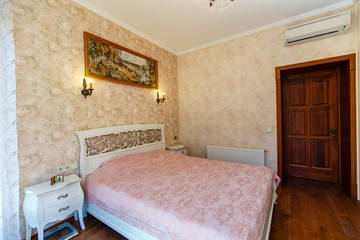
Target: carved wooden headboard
(102, 144)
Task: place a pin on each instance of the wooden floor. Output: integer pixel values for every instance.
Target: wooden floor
(309, 209)
(94, 230)
(305, 210)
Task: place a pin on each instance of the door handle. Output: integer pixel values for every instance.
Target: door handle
(333, 131)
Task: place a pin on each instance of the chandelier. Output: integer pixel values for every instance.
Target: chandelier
(215, 5)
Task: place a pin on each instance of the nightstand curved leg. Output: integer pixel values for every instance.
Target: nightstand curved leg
(80, 214)
(40, 232)
(28, 232)
(76, 214)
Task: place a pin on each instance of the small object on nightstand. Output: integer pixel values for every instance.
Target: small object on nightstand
(45, 203)
(60, 178)
(53, 180)
(181, 149)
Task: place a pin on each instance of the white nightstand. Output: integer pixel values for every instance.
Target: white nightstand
(45, 203)
(181, 149)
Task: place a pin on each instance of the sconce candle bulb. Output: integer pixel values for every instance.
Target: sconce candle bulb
(160, 100)
(87, 91)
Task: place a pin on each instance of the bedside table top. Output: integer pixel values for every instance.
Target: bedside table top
(46, 187)
(176, 147)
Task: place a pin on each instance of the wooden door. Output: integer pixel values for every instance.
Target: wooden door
(310, 115)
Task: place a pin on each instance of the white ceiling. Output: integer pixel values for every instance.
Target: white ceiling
(180, 26)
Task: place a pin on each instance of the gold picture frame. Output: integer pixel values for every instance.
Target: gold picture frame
(109, 61)
(53, 180)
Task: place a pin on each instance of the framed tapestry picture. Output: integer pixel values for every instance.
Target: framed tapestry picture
(109, 61)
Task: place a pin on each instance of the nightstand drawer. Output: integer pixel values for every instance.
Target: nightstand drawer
(60, 211)
(180, 149)
(60, 196)
(183, 151)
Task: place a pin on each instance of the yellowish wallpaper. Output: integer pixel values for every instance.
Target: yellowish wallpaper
(49, 47)
(227, 93)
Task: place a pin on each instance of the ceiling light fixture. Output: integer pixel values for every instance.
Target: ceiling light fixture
(215, 5)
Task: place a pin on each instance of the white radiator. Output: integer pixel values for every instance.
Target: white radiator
(239, 155)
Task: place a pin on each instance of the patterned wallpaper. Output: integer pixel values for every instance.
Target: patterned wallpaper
(227, 92)
(49, 48)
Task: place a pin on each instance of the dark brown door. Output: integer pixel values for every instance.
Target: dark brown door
(310, 114)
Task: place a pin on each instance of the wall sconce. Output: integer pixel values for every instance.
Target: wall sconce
(158, 99)
(87, 92)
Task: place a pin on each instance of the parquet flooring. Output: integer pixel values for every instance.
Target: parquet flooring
(305, 210)
(94, 230)
(309, 210)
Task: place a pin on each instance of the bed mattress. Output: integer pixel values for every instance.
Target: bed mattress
(171, 196)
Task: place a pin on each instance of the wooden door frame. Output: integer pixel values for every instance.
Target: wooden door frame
(351, 58)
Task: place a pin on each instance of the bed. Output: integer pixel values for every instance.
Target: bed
(144, 192)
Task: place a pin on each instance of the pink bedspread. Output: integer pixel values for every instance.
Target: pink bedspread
(171, 196)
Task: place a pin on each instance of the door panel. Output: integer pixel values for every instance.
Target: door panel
(297, 93)
(298, 117)
(319, 91)
(298, 152)
(320, 154)
(310, 108)
(319, 122)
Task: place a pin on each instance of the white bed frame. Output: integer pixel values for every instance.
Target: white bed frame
(89, 164)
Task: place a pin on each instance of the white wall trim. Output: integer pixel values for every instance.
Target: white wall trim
(272, 25)
(91, 7)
